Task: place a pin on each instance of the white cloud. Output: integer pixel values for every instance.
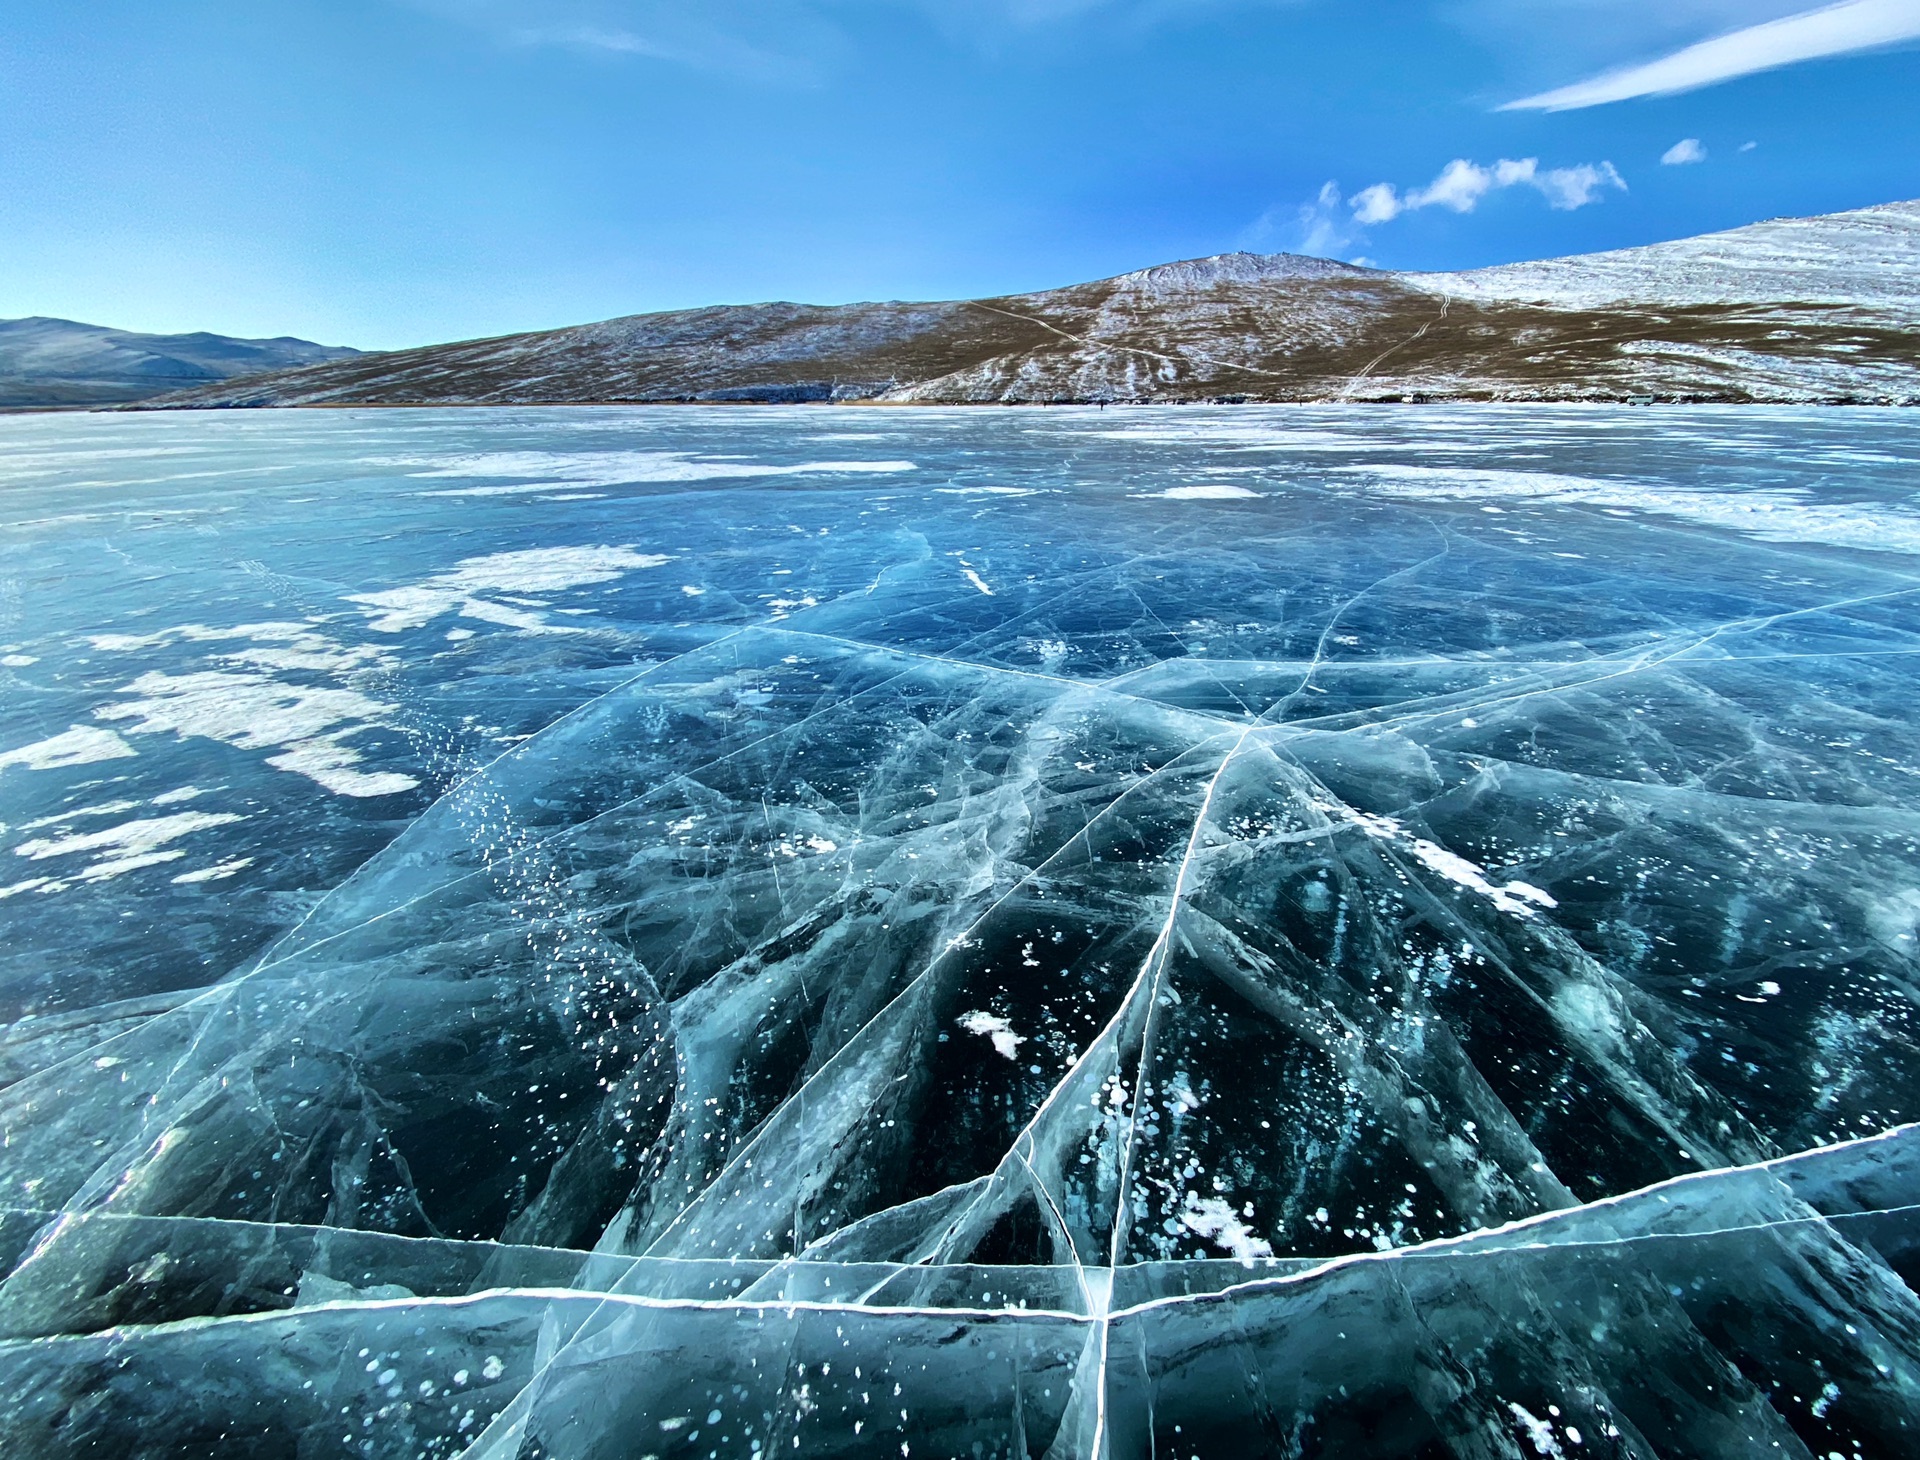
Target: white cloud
(1687, 149)
(1832, 30)
(1462, 184)
(1567, 188)
(1377, 204)
(1319, 227)
(1320, 230)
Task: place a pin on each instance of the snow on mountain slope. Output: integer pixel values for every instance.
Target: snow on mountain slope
(1234, 268)
(1868, 259)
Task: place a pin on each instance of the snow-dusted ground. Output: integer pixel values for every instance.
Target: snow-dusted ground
(1867, 260)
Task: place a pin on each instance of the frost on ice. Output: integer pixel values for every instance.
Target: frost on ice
(1002, 966)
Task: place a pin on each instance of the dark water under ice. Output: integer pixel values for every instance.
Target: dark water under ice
(1204, 932)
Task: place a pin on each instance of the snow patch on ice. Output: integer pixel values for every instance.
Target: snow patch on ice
(77, 745)
(995, 1028)
(1538, 1430)
(559, 469)
(1254, 434)
(530, 570)
(1776, 515)
(255, 712)
(215, 873)
(129, 846)
(1211, 1218)
(1517, 898)
(1206, 492)
(1521, 899)
(273, 645)
(106, 808)
(245, 703)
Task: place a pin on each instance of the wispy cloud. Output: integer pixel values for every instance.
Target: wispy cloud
(712, 38)
(1322, 231)
(1320, 227)
(595, 38)
(1687, 149)
(790, 37)
(1832, 30)
(1462, 184)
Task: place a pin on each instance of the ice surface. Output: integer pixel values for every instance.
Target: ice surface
(1173, 932)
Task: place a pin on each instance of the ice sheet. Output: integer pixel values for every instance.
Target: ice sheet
(1160, 933)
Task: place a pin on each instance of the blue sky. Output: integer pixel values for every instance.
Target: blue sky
(390, 172)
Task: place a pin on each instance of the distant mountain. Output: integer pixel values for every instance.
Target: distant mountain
(57, 362)
(1816, 309)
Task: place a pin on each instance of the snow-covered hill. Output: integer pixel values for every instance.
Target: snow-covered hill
(1812, 309)
(1868, 259)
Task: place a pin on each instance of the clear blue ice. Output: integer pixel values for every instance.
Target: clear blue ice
(1171, 932)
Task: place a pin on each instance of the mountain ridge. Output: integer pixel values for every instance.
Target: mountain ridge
(46, 361)
(1823, 309)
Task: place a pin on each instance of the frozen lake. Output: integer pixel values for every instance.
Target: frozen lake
(1047, 932)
